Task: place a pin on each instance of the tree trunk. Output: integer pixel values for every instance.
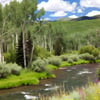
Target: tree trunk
(24, 51)
(1, 55)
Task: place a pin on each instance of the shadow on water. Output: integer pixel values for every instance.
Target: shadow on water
(71, 77)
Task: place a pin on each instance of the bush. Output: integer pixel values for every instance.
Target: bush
(39, 65)
(10, 56)
(64, 57)
(14, 68)
(8, 69)
(70, 60)
(40, 52)
(54, 61)
(4, 71)
(98, 56)
(74, 57)
(87, 56)
(90, 49)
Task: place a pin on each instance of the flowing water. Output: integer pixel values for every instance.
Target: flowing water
(71, 77)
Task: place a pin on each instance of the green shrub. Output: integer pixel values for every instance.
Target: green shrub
(10, 56)
(56, 61)
(90, 49)
(74, 57)
(87, 56)
(8, 69)
(70, 60)
(14, 68)
(40, 52)
(4, 71)
(39, 65)
(98, 56)
(64, 57)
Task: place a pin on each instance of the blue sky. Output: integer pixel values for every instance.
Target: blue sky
(55, 9)
(69, 8)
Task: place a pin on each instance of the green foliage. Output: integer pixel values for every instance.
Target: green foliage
(98, 56)
(10, 56)
(25, 78)
(65, 64)
(14, 68)
(29, 46)
(74, 57)
(19, 51)
(4, 70)
(87, 56)
(70, 60)
(64, 57)
(56, 61)
(39, 65)
(8, 69)
(40, 52)
(90, 49)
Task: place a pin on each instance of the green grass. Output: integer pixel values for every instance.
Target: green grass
(98, 61)
(80, 61)
(79, 26)
(25, 78)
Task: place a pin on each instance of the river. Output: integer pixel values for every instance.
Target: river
(70, 77)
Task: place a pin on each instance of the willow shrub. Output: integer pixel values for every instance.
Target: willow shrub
(89, 49)
(8, 69)
(14, 68)
(39, 65)
(87, 56)
(64, 57)
(56, 61)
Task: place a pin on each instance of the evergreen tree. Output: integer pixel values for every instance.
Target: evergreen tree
(29, 46)
(19, 51)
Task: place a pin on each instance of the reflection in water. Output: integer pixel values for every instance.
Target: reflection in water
(84, 72)
(28, 97)
(71, 77)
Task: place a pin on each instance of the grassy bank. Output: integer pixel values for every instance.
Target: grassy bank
(90, 92)
(25, 78)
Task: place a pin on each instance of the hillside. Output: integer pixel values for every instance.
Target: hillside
(79, 18)
(78, 26)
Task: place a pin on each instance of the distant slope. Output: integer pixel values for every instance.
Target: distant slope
(78, 26)
(79, 18)
(84, 18)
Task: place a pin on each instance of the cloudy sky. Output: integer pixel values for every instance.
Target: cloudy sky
(67, 8)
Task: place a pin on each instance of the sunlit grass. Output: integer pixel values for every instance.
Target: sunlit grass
(25, 78)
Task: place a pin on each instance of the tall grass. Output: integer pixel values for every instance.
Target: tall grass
(91, 92)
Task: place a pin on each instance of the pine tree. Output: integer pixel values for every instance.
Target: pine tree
(28, 48)
(19, 52)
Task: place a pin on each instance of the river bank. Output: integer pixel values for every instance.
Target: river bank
(32, 78)
(71, 77)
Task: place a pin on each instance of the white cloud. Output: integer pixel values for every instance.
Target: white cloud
(90, 3)
(4, 2)
(73, 16)
(93, 13)
(46, 19)
(58, 14)
(57, 5)
(79, 10)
